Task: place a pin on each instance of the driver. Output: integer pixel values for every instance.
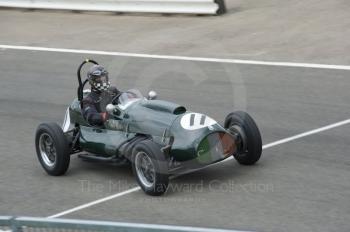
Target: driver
(102, 93)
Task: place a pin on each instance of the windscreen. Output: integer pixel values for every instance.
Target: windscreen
(130, 96)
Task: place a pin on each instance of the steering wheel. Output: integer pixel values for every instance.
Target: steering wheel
(115, 99)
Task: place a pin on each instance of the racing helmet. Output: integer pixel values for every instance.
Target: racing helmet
(98, 78)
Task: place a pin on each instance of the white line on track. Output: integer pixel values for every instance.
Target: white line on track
(286, 140)
(185, 58)
(273, 144)
(95, 202)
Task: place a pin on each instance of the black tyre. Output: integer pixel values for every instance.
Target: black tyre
(150, 168)
(249, 144)
(52, 149)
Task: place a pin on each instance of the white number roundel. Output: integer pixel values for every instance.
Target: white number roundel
(195, 121)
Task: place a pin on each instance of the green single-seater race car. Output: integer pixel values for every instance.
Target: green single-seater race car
(158, 138)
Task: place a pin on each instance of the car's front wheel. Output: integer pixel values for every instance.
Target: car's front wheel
(52, 149)
(249, 144)
(150, 168)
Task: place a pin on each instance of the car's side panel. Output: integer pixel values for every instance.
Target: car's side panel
(102, 141)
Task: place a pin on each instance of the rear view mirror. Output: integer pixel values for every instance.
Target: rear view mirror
(152, 95)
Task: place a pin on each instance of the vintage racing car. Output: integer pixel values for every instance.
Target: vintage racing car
(158, 138)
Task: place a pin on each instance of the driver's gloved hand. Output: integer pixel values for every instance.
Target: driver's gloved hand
(104, 116)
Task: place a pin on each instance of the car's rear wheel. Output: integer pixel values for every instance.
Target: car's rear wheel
(249, 144)
(150, 168)
(52, 149)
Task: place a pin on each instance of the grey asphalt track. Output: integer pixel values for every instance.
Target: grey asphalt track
(299, 186)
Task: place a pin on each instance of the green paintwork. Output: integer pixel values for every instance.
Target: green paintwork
(159, 119)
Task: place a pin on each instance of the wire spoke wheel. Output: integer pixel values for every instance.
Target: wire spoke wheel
(145, 169)
(52, 148)
(150, 167)
(47, 149)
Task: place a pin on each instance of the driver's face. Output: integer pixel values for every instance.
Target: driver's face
(101, 79)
